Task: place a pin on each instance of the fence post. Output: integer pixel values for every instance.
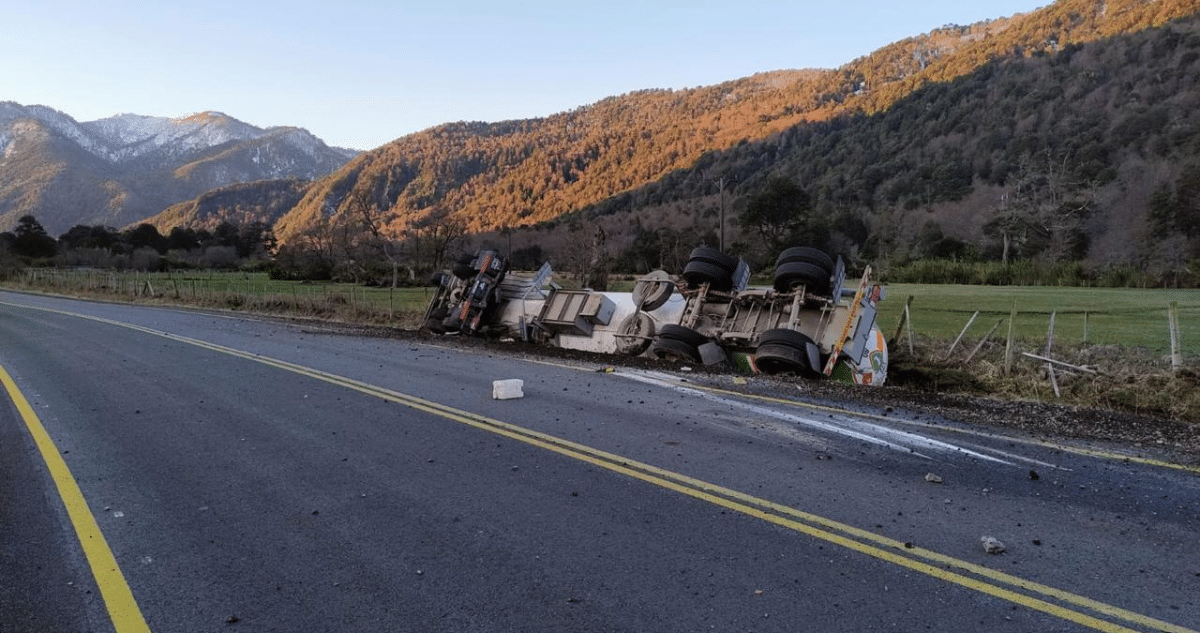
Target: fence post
(1176, 344)
(1008, 346)
(961, 334)
(983, 341)
(1050, 366)
(903, 319)
(908, 327)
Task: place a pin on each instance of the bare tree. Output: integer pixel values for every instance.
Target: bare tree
(1044, 209)
(373, 220)
(433, 237)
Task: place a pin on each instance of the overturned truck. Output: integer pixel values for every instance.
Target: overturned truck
(809, 322)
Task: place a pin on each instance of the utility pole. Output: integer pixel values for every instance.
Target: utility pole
(721, 233)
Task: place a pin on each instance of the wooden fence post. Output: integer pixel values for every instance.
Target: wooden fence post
(903, 320)
(908, 328)
(961, 334)
(1050, 366)
(1008, 346)
(983, 341)
(1176, 345)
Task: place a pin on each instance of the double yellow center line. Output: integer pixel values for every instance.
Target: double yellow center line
(1055, 602)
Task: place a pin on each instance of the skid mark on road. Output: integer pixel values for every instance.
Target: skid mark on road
(902, 441)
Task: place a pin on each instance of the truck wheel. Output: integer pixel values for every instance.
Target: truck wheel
(652, 291)
(783, 336)
(792, 274)
(787, 351)
(636, 334)
(434, 322)
(682, 334)
(808, 255)
(714, 256)
(464, 271)
(780, 359)
(671, 349)
(699, 271)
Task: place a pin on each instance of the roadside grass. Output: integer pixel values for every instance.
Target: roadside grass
(1119, 333)
(1117, 340)
(240, 291)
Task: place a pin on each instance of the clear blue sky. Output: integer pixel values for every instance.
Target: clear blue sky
(360, 73)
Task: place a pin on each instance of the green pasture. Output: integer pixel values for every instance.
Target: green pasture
(1103, 316)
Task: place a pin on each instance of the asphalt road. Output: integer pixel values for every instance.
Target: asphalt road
(251, 475)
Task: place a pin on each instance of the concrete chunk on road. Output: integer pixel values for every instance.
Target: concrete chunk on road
(507, 389)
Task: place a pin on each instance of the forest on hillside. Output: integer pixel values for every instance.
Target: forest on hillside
(1092, 153)
(1065, 134)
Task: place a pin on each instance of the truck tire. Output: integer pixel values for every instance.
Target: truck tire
(683, 334)
(792, 274)
(653, 291)
(784, 336)
(464, 267)
(808, 255)
(787, 351)
(636, 334)
(698, 272)
(671, 349)
(714, 256)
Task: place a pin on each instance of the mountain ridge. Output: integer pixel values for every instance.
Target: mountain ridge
(126, 168)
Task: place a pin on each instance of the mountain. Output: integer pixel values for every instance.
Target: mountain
(922, 139)
(238, 204)
(125, 168)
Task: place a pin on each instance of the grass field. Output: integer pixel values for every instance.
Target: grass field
(1129, 317)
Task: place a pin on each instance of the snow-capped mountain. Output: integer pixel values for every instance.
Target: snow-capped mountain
(125, 168)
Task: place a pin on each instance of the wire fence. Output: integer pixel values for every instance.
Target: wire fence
(235, 291)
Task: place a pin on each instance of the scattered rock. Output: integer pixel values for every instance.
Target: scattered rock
(1033, 475)
(508, 389)
(232, 619)
(933, 479)
(992, 545)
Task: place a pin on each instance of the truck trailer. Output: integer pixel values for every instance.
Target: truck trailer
(810, 322)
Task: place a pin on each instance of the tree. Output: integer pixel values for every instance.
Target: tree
(433, 238)
(1044, 210)
(31, 240)
(783, 214)
(144, 235)
(182, 239)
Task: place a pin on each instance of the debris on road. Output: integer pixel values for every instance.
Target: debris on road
(507, 389)
(992, 545)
